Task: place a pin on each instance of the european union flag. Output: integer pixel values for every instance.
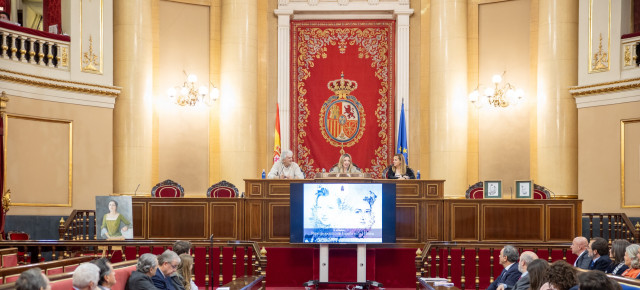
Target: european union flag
(403, 147)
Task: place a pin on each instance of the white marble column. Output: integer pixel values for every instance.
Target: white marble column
(284, 91)
(448, 94)
(402, 66)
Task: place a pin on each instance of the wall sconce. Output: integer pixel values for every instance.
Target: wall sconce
(191, 94)
(497, 96)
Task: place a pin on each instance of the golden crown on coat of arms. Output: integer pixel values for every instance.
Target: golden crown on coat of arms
(342, 87)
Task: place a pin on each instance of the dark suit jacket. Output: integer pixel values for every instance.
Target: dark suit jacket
(139, 280)
(601, 264)
(522, 284)
(162, 282)
(583, 261)
(509, 277)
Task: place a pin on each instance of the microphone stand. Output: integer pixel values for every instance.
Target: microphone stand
(210, 264)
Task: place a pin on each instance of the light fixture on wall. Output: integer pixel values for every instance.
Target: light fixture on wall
(190, 94)
(497, 95)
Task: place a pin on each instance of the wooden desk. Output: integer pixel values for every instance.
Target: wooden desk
(422, 214)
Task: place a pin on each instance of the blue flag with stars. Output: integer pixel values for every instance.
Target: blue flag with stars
(403, 147)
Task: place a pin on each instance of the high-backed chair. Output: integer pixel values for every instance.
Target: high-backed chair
(167, 188)
(475, 191)
(23, 256)
(223, 189)
(541, 192)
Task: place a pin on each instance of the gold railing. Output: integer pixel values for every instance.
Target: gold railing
(254, 259)
(617, 226)
(435, 258)
(80, 225)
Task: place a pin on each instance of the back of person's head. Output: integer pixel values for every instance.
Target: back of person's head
(181, 247)
(32, 279)
(632, 251)
(561, 275)
(537, 272)
(600, 245)
(146, 262)
(167, 256)
(618, 247)
(104, 269)
(86, 274)
(184, 269)
(597, 280)
(511, 253)
(527, 257)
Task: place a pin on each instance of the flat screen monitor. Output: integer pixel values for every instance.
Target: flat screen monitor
(357, 213)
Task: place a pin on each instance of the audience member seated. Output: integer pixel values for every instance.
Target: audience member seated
(510, 274)
(523, 282)
(560, 276)
(537, 271)
(579, 248)
(183, 274)
(399, 169)
(4, 16)
(596, 280)
(107, 275)
(86, 277)
(599, 252)
(140, 279)
(33, 279)
(616, 253)
(345, 166)
(181, 247)
(632, 261)
(168, 262)
(285, 167)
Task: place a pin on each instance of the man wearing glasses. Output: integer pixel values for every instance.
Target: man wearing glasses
(168, 262)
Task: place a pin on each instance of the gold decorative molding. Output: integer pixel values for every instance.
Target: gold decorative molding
(3, 102)
(64, 60)
(90, 60)
(604, 89)
(52, 83)
(600, 59)
(622, 159)
(6, 201)
(70, 172)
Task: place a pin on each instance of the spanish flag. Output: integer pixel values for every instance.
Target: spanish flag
(276, 136)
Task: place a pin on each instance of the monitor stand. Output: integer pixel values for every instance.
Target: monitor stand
(361, 269)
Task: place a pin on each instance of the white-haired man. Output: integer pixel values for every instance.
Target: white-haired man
(285, 167)
(523, 282)
(86, 277)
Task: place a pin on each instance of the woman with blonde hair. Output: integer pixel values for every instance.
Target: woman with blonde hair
(631, 260)
(344, 165)
(185, 272)
(399, 169)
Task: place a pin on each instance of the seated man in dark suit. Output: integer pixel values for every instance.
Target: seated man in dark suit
(510, 274)
(599, 253)
(168, 262)
(523, 282)
(579, 248)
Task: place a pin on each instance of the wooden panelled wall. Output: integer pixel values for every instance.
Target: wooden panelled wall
(422, 214)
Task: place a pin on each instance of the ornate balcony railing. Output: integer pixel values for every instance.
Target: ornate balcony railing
(35, 47)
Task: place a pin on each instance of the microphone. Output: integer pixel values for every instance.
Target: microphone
(136, 191)
(211, 238)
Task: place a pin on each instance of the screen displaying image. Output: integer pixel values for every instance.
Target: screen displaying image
(342, 213)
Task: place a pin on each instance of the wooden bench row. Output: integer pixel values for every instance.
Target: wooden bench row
(50, 268)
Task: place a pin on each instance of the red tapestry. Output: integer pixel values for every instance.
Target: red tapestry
(342, 93)
(52, 14)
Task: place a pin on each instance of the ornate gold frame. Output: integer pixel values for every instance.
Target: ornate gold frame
(48, 120)
(623, 122)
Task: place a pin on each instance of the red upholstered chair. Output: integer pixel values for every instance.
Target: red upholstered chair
(475, 191)
(23, 257)
(167, 188)
(223, 189)
(541, 192)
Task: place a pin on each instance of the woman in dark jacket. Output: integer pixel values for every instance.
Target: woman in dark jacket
(618, 248)
(399, 169)
(140, 279)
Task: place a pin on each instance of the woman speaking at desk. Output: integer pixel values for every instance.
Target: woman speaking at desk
(399, 169)
(345, 165)
(111, 223)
